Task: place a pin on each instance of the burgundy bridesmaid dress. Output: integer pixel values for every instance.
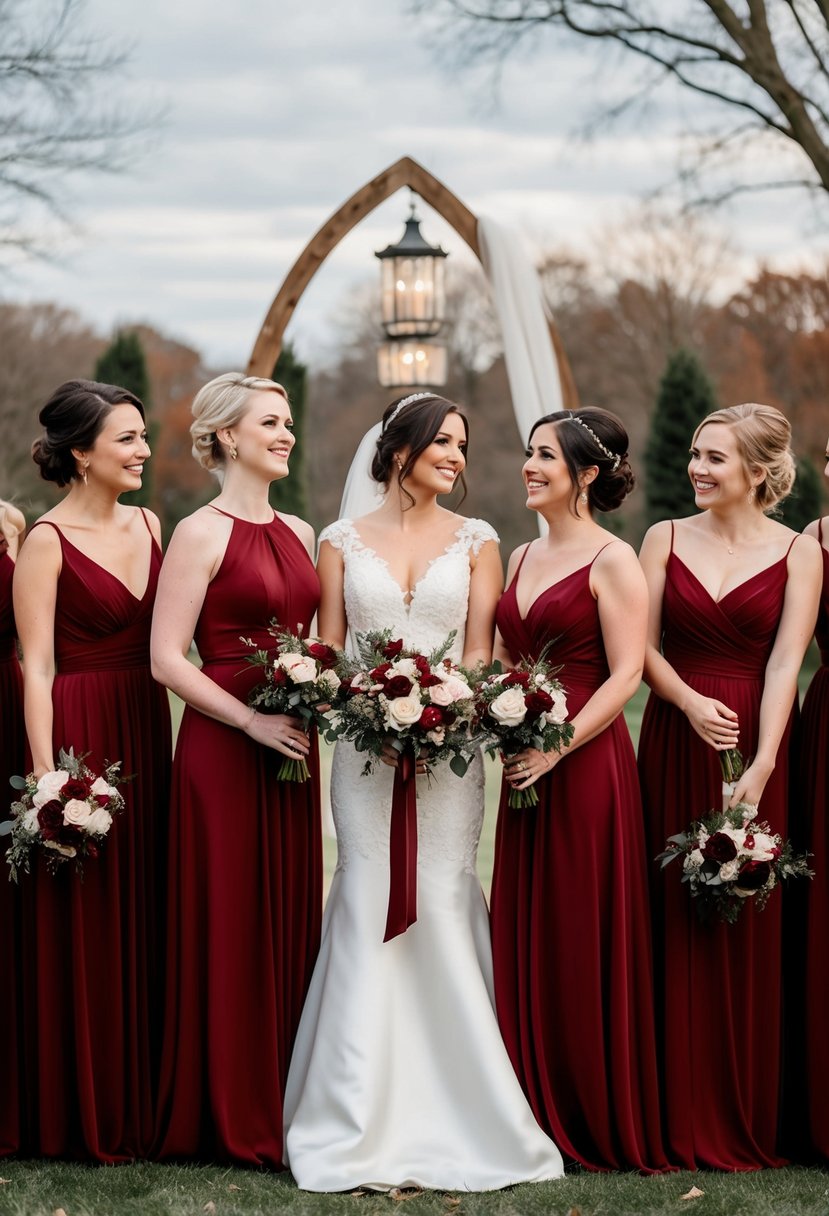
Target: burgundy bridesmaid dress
(718, 987)
(12, 761)
(813, 799)
(570, 927)
(92, 947)
(245, 879)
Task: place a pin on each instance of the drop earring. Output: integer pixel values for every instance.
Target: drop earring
(234, 451)
(751, 495)
(84, 474)
(583, 497)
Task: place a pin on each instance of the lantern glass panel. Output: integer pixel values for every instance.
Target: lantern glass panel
(405, 363)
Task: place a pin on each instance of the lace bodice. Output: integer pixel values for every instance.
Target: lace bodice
(375, 600)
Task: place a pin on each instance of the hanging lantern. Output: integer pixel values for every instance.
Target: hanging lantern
(409, 362)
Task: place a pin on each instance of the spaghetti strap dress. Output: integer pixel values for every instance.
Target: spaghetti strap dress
(245, 878)
(718, 987)
(570, 925)
(12, 762)
(92, 946)
(813, 803)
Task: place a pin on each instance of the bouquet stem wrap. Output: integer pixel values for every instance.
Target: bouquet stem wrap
(402, 910)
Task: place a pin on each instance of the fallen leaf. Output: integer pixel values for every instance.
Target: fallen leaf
(694, 1193)
(5, 1181)
(358, 1194)
(234, 1187)
(399, 1195)
(209, 1207)
(574, 1212)
(451, 1201)
(59, 1212)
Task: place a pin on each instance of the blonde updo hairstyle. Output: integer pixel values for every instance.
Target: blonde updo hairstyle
(222, 403)
(763, 437)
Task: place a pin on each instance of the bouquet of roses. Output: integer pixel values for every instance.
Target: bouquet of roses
(524, 707)
(729, 858)
(390, 694)
(300, 679)
(67, 812)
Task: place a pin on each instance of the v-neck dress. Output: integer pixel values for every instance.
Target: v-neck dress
(245, 877)
(718, 986)
(399, 1076)
(12, 762)
(570, 922)
(92, 958)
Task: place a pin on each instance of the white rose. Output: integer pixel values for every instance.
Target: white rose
(99, 822)
(300, 669)
(694, 860)
(330, 679)
(508, 708)
(49, 787)
(76, 813)
(763, 846)
(558, 713)
(729, 871)
(30, 823)
(437, 735)
(402, 712)
(458, 688)
(440, 695)
(404, 667)
(103, 789)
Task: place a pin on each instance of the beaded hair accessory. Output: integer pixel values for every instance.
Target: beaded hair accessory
(612, 456)
(404, 402)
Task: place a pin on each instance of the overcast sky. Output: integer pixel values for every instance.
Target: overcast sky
(277, 110)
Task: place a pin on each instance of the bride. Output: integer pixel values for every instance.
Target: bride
(399, 1076)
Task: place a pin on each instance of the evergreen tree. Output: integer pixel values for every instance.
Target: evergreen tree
(123, 363)
(290, 494)
(805, 502)
(685, 397)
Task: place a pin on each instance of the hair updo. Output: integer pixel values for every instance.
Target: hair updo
(73, 417)
(414, 427)
(222, 403)
(577, 432)
(763, 437)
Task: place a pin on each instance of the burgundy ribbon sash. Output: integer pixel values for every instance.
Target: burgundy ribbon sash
(403, 849)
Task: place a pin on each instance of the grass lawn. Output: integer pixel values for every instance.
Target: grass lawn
(37, 1188)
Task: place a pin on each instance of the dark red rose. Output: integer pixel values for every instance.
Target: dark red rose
(431, 717)
(279, 676)
(103, 799)
(70, 835)
(378, 676)
(74, 788)
(326, 656)
(538, 702)
(422, 664)
(392, 649)
(516, 677)
(50, 819)
(398, 686)
(749, 840)
(719, 848)
(429, 681)
(92, 849)
(753, 875)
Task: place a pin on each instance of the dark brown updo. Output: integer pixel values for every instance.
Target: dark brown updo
(73, 417)
(415, 426)
(589, 438)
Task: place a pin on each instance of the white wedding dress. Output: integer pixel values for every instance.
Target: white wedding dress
(399, 1075)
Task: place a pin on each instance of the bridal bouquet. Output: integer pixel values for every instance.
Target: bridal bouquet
(524, 707)
(417, 702)
(730, 858)
(300, 679)
(67, 812)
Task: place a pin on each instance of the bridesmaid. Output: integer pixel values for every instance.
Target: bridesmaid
(571, 938)
(12, 761)
(813, 796)
(733, 602)
(245, 847)
(83, 595)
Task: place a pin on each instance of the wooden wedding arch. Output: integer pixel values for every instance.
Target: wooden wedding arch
(404, 172)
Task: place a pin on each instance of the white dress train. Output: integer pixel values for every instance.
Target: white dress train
(399, 1075)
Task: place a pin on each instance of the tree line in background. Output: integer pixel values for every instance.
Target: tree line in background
(642, 326)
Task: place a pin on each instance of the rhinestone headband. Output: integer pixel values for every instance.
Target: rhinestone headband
(612, 456)
(404, 402)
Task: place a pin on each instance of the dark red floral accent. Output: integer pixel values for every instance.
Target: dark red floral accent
(70, 835)
(392, 649)
(279, 676)
(326, 656)
(92, 849)
(103, 800)
(50, 819)
(754, 875)
(378, 675)
(398, 686)
(538, 702)
(74, 788)
(522, 678)
(749, 840)
(719, 848)
(431, 717)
